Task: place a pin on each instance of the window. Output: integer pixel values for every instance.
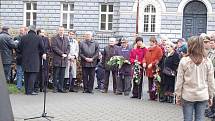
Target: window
(67, 15)
(106, 17)
(149, 18)
(30, 13)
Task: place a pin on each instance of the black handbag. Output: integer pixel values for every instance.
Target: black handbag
(168, 71)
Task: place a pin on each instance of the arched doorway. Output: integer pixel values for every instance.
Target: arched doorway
(194, 19)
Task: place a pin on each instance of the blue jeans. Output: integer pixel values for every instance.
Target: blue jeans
(19, 76)
(197, 107)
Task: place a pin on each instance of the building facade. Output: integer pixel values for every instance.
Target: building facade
(172, 18)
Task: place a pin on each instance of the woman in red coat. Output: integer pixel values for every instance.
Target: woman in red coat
(151, 59)
(137, 54)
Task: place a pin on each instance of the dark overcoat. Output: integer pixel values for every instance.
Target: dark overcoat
(109, 51)
(59, 47)
(30, 47)
(88, 49)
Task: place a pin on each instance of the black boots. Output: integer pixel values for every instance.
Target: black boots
(163, 99)
(168, 99)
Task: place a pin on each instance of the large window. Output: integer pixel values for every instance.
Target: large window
(106, 17)
(30, 13)
(149, 18)
(67, 15)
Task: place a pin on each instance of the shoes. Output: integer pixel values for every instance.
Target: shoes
(104, 91)
(97, 87)
(54, 91)
(85, 91)
(33, 93)
(134, 96)
(71, 90)
(62, 91)
(118, 93)
(36, 91)
(152, 99)
(169, 99)
(114, 91)
(126, 93)
(163, 99)
(90, 92)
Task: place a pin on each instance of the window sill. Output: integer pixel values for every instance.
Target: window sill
(150, 33)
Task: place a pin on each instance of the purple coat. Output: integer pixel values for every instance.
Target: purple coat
(126, 68)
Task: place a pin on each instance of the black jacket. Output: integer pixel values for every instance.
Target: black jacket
(89, 49)
(30, 48)
(6, 46)
(18, 55)
(109, 51)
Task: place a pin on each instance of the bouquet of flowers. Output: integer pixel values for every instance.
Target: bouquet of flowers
(117, 61)
(137, 72)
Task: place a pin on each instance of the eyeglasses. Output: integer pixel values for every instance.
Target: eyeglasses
(206, 42)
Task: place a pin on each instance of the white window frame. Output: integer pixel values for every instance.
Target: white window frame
(29, 11)
(68, 15)
(160, 8)
(107, 13)
(150, 14)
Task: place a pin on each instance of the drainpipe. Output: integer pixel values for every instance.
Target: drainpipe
(137, 17)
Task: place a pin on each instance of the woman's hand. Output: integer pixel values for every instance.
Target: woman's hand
(210, 102)
(178, 101)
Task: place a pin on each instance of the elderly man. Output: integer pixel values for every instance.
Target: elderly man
(89, 53)
(6, 46)
(60, 47)
(30, 47)
(71, 68)
(109, 51)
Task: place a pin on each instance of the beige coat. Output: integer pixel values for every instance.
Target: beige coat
(74, 50)
(195, 83)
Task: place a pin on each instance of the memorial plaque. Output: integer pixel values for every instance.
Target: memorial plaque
(6, 113)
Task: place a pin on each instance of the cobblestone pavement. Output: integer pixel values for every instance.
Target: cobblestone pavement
(93, 107)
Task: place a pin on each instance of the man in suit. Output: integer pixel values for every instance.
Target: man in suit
(60, 48)
(30, 47)
(89, 53)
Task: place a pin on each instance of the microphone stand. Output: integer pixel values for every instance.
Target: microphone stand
(44, 114)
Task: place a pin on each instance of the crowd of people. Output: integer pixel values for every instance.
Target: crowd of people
(184, 69)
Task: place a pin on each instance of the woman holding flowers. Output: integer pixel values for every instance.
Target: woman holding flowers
(136, 58)
(151, 59)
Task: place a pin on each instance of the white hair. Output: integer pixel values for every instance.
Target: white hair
(164, 38)
(89, 32)
(171, 44)
(203, 35)
(112, 39)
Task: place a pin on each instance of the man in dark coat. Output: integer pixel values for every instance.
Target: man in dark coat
(89, 53)
(6, 46)
(30, 47)
(60, 48)
(42, 76)
(110, 51)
